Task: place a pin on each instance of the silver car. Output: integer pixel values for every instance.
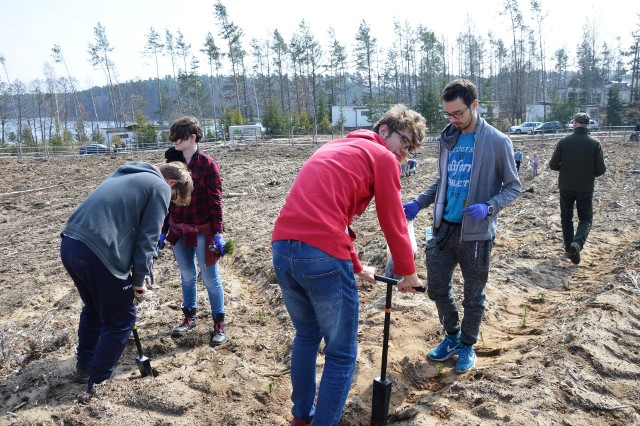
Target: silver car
(525, 127)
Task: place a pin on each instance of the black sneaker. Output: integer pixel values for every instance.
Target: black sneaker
(574, 253)
(81, 375)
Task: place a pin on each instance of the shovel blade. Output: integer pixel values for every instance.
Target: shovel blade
(144, 365)
(380, 401)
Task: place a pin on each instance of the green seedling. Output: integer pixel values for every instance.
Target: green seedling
(271, 386)
(525, 314)
(481, 337)
(542, 296)
(439, 368)
(262, 317)
(230, 247)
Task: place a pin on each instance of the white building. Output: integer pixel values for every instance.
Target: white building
(245, 132)
(127, 135)
(355, 116)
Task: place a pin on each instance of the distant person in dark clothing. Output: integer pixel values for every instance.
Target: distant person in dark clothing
(107, 246)
(579, 159)
(635, 136)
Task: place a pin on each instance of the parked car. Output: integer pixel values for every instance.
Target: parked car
(593, 125)
(549, 127)
(94, 148)
(525, 127)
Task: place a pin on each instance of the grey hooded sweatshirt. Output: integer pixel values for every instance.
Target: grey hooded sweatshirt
(494, 179)
(120, 220)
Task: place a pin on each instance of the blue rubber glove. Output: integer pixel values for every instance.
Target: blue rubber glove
(476, 211)
(219, 244)
(161, 240)
(411, 209)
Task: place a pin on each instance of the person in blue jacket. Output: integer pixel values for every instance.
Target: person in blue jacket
(477, 179)
(518, 158)
(107, 246)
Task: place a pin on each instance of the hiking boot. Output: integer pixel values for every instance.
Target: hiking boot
(218, 336)
(466, 358)
(447, 348)
(574, 253)
(300, 422)
(85, 397)
(81, 375)
(187, 324)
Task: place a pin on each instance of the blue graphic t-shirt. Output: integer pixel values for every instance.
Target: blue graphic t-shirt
(458, 176)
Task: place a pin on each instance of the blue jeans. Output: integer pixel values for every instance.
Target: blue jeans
(583, 202)
(108, 314)
(321, 296)
(186, 258)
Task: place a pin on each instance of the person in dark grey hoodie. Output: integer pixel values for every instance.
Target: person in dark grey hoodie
(477, 179)
(107, 246)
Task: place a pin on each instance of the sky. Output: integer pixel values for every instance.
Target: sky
(30, 28)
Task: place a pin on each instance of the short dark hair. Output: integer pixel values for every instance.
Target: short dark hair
(184, 127)
(460, 88)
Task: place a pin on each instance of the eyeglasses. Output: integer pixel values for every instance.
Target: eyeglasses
(454, 115)
(406, 143)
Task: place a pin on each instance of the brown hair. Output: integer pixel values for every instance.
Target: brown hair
(178, 171)
(399, 117)
(184, 127)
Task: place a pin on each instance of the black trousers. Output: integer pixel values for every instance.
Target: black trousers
(583, 201)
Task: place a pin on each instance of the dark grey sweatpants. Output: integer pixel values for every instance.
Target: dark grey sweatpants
(443, 253)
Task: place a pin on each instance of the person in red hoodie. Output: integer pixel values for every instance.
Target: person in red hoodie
(315, 260)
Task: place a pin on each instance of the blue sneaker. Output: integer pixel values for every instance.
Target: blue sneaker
(466, 358)
(447, 348)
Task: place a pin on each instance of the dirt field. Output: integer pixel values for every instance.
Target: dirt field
(560, 343)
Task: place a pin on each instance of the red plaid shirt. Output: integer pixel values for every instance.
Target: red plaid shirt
(206, 198)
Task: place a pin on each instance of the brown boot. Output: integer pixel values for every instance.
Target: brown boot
(218, 336)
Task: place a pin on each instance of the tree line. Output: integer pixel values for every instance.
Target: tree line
(290, 85)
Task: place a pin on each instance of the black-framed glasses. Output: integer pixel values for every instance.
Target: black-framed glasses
(455, 115)
(406, 143)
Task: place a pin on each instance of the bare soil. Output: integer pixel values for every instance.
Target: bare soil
(560, 343)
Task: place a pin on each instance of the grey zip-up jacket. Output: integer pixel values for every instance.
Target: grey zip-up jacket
(120, 220)
(494, 179)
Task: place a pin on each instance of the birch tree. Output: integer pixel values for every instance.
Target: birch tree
(280, 52)
(153, 48)
(58, 57)
(99, 53)
(232, 35)
(170, 51)
(214, 57)
(365, 49)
